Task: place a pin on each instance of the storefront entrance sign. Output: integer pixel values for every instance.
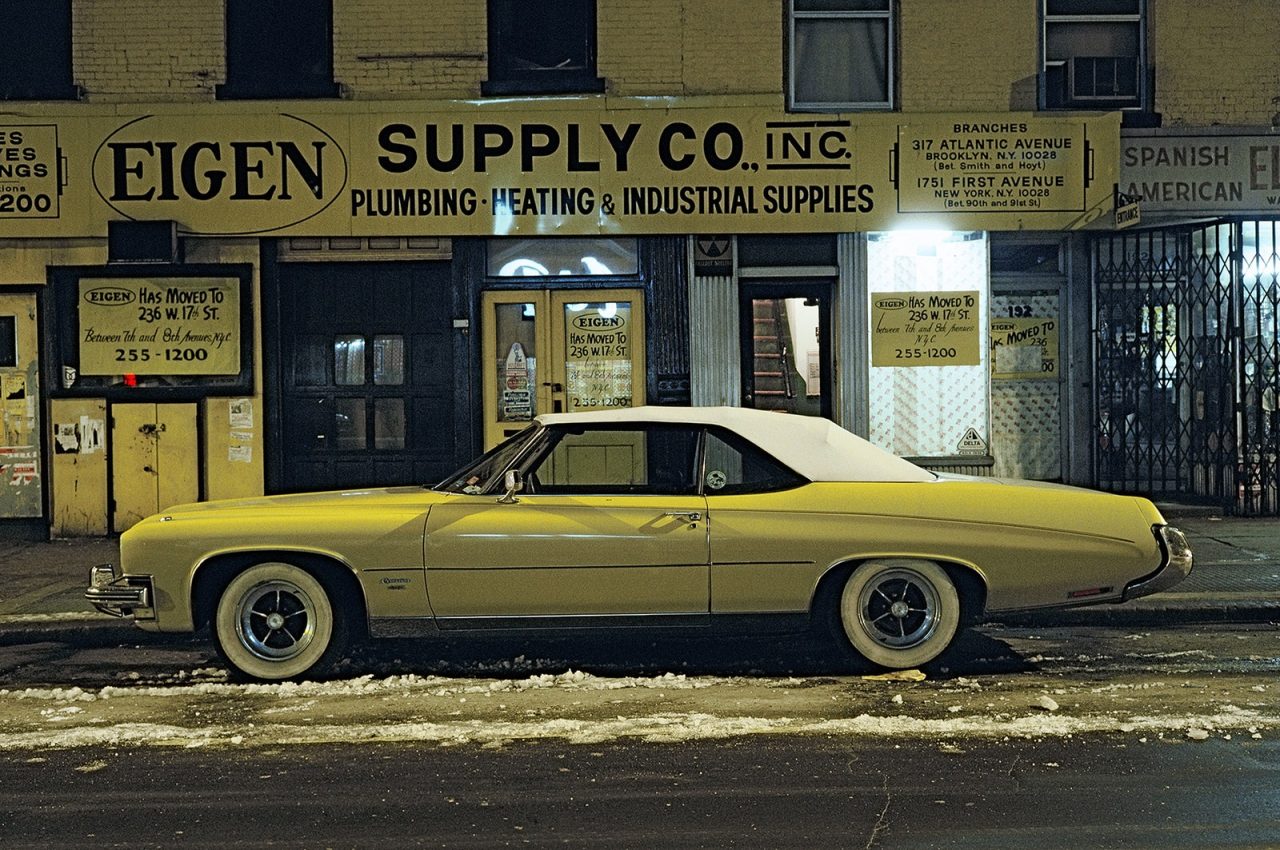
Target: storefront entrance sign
(584, 167)
(994, 166)
(925, 329)
(1180, 173)
(159, 326)
(1024, 348)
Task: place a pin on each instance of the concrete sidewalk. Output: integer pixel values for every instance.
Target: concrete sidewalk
(1236, 578)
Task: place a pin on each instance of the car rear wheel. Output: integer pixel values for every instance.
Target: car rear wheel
(276, 621)
(899, 613)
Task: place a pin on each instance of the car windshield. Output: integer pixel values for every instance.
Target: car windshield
(476, 477)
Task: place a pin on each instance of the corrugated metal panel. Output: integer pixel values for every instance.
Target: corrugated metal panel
(713, 341)
(851, 334)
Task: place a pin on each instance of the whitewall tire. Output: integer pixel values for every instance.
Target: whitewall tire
(899, 613)
(277, 621)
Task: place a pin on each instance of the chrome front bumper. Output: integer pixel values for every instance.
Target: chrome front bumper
(1175, 565)
(119, 596)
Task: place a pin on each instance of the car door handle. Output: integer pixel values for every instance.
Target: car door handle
(687, 516)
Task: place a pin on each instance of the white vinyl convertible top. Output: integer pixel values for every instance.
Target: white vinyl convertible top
(815, 447)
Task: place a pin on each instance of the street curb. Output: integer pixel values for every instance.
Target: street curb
(1210, 612)
(86, 631)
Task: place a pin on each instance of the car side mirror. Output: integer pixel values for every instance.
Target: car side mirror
(512, 482)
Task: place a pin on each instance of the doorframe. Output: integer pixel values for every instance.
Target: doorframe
(824, 290)
(36, 527)
(550, 299)
(467, 423)
(1011, 283)
(494, 430)
(198, 435)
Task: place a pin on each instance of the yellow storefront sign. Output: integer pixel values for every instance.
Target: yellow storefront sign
(29, 172)
(159, 326)
(1002, 167)
(925, 329)
(572, 167)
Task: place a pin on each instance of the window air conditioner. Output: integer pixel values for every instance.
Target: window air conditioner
(1102, 81)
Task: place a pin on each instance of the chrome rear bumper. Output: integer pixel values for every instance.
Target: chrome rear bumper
(1174, 566)
(119, 596)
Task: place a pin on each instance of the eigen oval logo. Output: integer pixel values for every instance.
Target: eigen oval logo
(593, 322)
(109, 296)
(274, 173)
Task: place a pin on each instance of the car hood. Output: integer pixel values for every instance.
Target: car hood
(335, 499)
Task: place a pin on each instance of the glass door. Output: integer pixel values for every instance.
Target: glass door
(559, 351)
(514, 340)
(20, 462)
(1026, 381)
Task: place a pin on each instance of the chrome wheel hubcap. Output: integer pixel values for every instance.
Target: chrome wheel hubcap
(899, 609)
(276, 620)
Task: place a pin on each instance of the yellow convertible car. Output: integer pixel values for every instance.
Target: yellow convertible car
(650, 518)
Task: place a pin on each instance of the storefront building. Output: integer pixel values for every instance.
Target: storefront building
(229, 268)
(352, 297)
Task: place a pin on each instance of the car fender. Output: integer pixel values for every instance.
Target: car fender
(216, 568)
(970, 577)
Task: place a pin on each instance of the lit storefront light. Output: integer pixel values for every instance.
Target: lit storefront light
(930, 381)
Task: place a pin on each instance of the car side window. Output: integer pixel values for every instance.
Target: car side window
(733, 466)
(485, 473)
(654, 459)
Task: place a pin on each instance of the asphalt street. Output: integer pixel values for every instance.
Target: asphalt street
(796, 791)
(1146, 725)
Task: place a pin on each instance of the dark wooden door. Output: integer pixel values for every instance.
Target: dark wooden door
(367, 374)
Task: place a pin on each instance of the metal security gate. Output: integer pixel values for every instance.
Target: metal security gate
(1260, 364)
(1186, 353)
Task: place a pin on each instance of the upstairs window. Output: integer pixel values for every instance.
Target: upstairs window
(542, 47)
(1094, 54)
(35, 63)
(279, 49)
(841, 54)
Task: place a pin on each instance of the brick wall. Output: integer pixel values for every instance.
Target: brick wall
(1217, 62)
(638, 46)
(404, 48)
(690, 47)
(733, 46)
(978, 55)
(139, 50)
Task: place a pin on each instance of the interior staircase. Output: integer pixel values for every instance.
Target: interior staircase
(772, 375)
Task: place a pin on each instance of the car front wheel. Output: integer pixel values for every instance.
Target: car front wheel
(899, 613)
(276, 621)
